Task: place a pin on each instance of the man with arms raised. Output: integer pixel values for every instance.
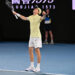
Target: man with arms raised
(35, 37)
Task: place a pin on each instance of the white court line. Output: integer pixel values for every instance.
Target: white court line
(1, 70)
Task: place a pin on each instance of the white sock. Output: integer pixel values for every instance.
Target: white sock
(52, 41)
(38, 65)
(32, 64)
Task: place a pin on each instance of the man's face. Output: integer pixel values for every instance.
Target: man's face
(48, 11)
(36, 11)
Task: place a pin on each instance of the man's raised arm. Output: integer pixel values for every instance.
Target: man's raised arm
(44, 15)
(21, 16)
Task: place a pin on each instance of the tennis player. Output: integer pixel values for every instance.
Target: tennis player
(35, 37)
(48, 27)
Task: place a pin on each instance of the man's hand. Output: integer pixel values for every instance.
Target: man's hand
(43, 13)
(20, 16)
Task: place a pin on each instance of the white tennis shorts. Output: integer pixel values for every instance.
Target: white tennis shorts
(35, 42)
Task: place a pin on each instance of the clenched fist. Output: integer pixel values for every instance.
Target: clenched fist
(43, 13)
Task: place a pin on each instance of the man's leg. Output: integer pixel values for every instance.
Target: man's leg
(46, 37)
(31, 67)
(31, 54)
(37, 50)
(51, 35)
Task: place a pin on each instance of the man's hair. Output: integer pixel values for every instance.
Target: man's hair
(38, 10)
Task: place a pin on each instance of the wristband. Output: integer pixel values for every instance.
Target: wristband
(18, 15)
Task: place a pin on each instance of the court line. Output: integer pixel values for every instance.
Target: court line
(1, 70)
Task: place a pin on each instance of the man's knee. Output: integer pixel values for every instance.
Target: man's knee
(50, 32)
(37, 50)
(46, 32)
(30, 50)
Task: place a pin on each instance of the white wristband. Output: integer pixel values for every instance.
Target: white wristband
(18, 15)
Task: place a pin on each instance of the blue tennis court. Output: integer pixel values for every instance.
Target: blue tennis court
(58, 58)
